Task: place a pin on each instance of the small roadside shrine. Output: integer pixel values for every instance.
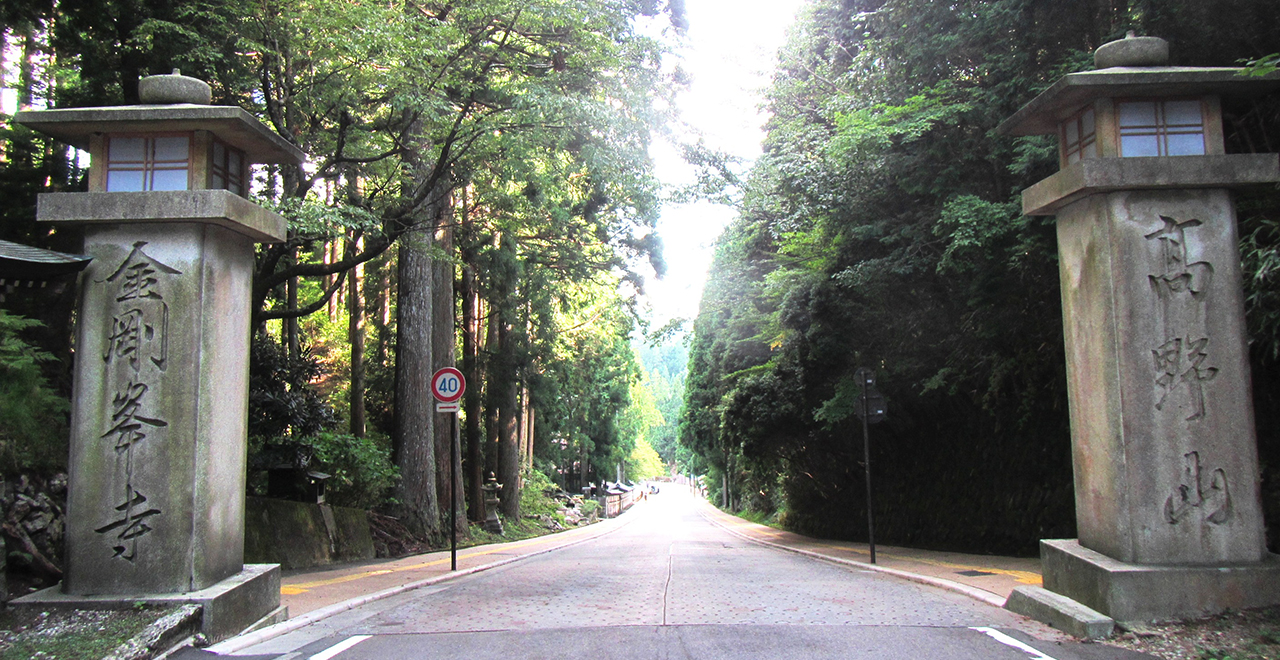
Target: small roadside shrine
(1168, 506)
(159, 409)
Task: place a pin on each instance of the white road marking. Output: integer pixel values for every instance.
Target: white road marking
(340, 647)
(1009, 641)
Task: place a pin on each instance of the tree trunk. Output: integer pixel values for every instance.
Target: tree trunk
(444, 344)
(414, 440)
(508, 441)
(491, 389)
(289, 330)
(473, 400)
(27, 69)
(529, 430)
(331, 256)
(355, 334)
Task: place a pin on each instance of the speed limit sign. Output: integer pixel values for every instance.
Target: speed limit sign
(448, 385)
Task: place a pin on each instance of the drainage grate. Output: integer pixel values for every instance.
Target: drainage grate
(973, 573)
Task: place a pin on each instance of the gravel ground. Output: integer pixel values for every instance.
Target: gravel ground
(1244, 635)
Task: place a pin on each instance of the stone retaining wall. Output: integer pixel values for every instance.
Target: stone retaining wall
(301, 535)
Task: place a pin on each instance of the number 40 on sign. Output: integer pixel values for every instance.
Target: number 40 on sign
(448, 385)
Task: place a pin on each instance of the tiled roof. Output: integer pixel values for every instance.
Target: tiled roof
(23, 262)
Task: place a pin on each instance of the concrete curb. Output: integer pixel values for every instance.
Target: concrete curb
(942, 583)
(284, 627)
(1060, 612)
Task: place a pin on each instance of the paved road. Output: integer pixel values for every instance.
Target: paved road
(670, 584)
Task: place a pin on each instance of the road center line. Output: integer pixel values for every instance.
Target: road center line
(666, 588)
(339, 647)
(1009, 641)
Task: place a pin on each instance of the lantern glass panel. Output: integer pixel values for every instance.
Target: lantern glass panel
(139, 163)
(1079, 136)
(1161, 128)
(226, 171)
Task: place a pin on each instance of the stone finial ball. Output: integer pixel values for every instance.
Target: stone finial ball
(1132, 51)
(174, 88)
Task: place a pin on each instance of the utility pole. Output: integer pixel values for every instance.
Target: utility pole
(871, 410)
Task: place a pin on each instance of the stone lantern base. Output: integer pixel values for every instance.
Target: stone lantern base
(243, 602)
(1120, 591)
(1132, 592)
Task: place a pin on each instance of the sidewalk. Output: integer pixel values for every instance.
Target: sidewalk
(307, 590)
(985, 577)
(988, 578)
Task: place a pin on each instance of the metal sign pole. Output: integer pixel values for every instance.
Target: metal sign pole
(453, 491)
(866, 459)
(448, 385)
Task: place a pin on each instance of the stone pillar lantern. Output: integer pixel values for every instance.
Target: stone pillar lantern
(159, 410)
(1168, 507)
(491, 488)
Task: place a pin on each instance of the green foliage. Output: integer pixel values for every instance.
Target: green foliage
(664, 369)
(360, 469)
(644, 463)
(361, 472)
(881, 229)
(1260, 253)
(1263, 65)
(282, 401)
(536, 495)
(33, 422)
(588, 371)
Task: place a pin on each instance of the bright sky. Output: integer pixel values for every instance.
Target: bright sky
(730, 53)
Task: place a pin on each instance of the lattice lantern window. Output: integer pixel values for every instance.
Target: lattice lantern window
(152, 162)
(172, 162)
(1079, 136)
(1161, 128)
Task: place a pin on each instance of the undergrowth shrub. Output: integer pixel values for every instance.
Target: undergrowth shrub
(537, 496)
(33, 417)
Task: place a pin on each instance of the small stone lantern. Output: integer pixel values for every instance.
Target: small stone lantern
(491, 488)
(159, 408)
(1168, 506)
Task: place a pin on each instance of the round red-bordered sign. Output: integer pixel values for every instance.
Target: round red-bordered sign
(447, 385)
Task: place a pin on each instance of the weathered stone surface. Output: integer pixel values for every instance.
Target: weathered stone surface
(1102, 175)
(227, 607)
(1060, 612)
(1072, 91)
(300, 535)
(174, 88)
(231, 124)
(216, 207)
(159, 410)
(1132, 51)
(160, 635)
(1131, 592)
(1162, 430)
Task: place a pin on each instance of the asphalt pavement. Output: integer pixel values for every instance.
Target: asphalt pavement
(672, 578)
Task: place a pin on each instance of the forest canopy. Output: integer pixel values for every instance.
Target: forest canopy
(477, 190)
(882, 229)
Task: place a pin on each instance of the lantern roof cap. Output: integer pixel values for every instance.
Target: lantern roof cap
(230, 124)
(1044, 112)
(1132, 67)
